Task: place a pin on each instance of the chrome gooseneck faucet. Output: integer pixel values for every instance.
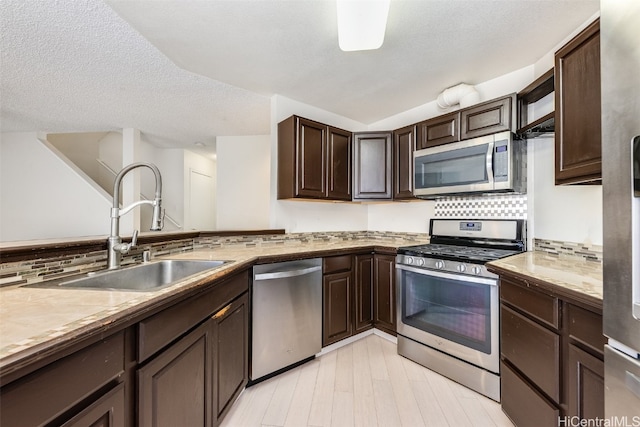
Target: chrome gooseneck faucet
(116, 247)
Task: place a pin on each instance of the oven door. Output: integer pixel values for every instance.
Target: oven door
(455, 314)
(465, 166)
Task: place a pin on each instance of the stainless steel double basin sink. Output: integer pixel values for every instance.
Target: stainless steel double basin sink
(145, 277)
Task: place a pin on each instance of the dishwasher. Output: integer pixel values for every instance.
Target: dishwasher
(287, 315)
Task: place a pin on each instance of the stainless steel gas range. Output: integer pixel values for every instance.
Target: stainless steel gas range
(448, 303)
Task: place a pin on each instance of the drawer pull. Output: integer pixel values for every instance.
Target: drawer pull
(221, 312)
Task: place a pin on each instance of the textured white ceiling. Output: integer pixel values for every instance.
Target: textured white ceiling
(72, 65)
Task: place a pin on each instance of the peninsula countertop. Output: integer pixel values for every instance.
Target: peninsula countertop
(568, 276)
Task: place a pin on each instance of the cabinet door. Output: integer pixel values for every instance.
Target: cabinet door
(586, 385)
(403, 147)
(337, 318)
(339, 164)
(372, 163)
(486, 118)
(385, 293)
(231, 354)
(311, 159)
(175, 387)
(577, 104)
(364, 292)
(439, 130)
(107, 411)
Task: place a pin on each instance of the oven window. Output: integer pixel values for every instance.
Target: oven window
(453, 309)
(458, 167)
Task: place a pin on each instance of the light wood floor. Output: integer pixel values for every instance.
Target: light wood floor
(365, 383)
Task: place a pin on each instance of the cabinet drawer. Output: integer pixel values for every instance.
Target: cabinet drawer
(586, 327)
(533, 349)
(107, 411)
(542, 307)
(522, 404)
(335, 264)
(45, 394)
(161, 329)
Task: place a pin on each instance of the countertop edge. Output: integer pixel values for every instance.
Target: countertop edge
(556, 290)
(92, 332)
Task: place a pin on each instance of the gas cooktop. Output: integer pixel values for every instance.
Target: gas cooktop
(457, 252)
(464, 246)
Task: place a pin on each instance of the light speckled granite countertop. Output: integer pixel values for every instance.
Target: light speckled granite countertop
(35, 320)
(572, 277)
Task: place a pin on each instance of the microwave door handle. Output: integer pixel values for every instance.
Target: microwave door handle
(490, 162)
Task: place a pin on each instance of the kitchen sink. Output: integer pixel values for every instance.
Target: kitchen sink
(141, 278)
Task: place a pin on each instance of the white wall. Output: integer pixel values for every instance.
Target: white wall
(494, 88)
(44, 197)
(570, 213)
(410, 217)
(244, 166)
(204, 166)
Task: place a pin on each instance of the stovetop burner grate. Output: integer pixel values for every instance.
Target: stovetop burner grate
(456, 252)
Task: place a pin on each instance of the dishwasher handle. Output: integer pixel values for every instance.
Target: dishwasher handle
(287, 273)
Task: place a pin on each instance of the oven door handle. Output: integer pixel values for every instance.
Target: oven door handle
(452, 276)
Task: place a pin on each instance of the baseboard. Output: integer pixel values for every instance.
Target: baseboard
(354, 338)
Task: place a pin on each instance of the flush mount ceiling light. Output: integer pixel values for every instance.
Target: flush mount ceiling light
(361, 24)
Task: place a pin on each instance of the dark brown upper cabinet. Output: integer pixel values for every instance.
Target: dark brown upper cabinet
(487, 118)
(339, 164)
(577, 101)
(314, 160)
(438, 130)
(372, 166)
(403, 148)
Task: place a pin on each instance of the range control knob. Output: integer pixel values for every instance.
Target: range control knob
(439, 265)
(461, 268)
(420, 262)
(408, 260)
(476, 270)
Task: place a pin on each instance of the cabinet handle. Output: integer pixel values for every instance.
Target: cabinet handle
(221, 312)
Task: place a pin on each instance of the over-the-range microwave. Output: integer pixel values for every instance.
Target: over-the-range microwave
(487, 164)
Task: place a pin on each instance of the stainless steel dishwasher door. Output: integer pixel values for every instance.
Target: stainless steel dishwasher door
(287, 314)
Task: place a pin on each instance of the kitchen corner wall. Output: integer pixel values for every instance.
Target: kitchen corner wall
(244, 167)
(569, 213)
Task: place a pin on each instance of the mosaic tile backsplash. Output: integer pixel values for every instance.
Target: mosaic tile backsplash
(568, 249)
(507, 206)
(34, 271)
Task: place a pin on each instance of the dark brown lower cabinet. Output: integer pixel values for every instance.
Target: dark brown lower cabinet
(83, 388)
(337, 295)
(384, 293)
(357, 298)
(364, 293)
(175, 388)
(231, 354)
(552, 362)
(194, 381)
(586, 385)
(190, 361)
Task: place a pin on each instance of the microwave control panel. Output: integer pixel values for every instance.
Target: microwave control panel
(501, 161)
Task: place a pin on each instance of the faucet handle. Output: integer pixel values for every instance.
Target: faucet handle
(134, 239)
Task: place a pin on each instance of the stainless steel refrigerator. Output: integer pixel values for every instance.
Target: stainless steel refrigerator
(620, 73)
